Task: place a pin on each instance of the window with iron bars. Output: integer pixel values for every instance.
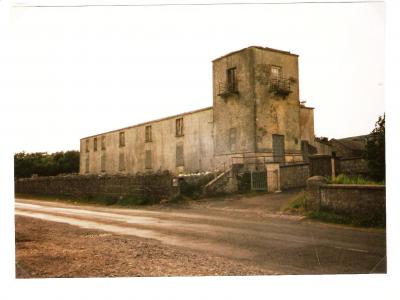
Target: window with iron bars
(278, 84)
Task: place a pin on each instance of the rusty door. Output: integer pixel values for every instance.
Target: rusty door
(278, 147)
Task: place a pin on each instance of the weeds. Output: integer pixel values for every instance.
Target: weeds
(296, 204)
(344, 179)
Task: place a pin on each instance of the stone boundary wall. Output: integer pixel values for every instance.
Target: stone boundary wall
(294, 176)
(151, 187)
(360, 202)
(354, 166)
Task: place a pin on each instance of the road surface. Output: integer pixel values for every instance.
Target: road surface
(242, 231)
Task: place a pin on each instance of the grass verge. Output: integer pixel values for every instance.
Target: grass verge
(100, 200)
(344, 179)
(297, 205)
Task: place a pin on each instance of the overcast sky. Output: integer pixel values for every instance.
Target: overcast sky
(85, 70)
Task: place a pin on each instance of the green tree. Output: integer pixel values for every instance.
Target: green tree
(44, 164)
(375, 150)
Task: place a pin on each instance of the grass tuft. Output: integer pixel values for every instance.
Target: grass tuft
(344, 179)
(296, 204)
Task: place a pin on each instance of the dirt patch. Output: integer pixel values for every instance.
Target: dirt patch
(49, 249)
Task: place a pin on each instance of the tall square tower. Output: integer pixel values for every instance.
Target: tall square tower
(256, 104)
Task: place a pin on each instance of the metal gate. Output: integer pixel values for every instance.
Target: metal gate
(258, 180)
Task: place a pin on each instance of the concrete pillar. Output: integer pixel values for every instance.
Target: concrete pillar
(313, 199)
(273, 177)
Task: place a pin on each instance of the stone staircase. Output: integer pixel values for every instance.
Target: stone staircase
(223, 183)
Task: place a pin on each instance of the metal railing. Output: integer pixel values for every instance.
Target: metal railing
(259, 161)
(280, 86)
(225, 88)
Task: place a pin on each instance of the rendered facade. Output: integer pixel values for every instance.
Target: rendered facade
(256, 117)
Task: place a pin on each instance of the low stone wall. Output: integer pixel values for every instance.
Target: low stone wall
(354, 166)
(148, 187)
(360, 202)
(294, 176)
(357, 201)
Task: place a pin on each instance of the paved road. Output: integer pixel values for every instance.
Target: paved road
(283, 244)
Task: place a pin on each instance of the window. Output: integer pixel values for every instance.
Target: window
(231, 80)
(276, 72)
(95, 144)
(148, 133)
(87, 164)
(87, 146)
(232, 139)
(121, 161)
(179, 156)
(122, 139)
(147, 161)
(179, 127)
(103, 143)
(103, 163)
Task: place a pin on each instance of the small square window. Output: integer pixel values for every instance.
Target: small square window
(95, 144)
(122, 139)
(276, 72)
(148, 134)
(179, 127)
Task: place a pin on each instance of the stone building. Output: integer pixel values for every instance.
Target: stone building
(349, 147)
(256, 117)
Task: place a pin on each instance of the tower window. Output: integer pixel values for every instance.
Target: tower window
(95, 144)
(276, 72)
(231, 80)
(87, 145)
(179, 127)
(148, 133)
